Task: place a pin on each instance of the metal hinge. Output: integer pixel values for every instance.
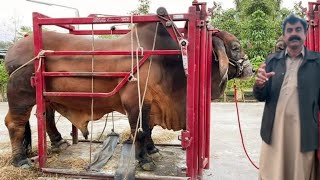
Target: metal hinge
(185, 139)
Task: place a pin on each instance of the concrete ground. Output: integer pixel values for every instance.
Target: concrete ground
(228, 160)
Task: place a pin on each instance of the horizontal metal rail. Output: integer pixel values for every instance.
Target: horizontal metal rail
(43, 20)
(145, 52)
(99, 175)
(85, 74)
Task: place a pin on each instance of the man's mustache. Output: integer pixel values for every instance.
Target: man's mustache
(294, 38)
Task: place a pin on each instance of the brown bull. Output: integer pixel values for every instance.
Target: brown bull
(165, 99)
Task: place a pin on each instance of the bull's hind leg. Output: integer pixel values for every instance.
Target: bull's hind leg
(21, 99)
(145, 161)
(57, 143)
(16, 122)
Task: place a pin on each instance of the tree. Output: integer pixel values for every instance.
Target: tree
(3, 80)
(257, 24)
(24, 30)
(143, 8)
(5, 44)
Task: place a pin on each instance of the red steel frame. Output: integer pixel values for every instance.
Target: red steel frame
(313, 38)
(196, 138)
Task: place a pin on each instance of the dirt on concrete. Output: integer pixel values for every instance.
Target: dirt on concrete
(227, 161)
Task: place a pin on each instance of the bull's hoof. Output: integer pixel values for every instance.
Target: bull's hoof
(156, 156)
(24, 164)
(147, 166)
(59, 146)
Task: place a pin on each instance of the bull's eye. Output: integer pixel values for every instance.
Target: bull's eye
(236, 48)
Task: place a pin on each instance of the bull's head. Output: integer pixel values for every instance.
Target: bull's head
(229, 60)
(280, 44)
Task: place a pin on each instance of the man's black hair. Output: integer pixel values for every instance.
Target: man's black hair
(292, 19)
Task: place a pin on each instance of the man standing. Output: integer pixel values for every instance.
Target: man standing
(289, 84)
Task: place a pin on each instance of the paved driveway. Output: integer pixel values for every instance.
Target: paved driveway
(228, 160)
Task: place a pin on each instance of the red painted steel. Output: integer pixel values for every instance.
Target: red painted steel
(314, 37)
(39, 82)
(208, 97)
(191, 160)
(196, 137)
(145, 52)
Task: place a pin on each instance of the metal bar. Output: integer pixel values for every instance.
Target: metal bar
(41, 119)
(95, 74)
(316, 30)
(190, 91)
(202, 94)
(146, 52)
(109, 32)
(318, 27)
(156, 144)
(67, 26)
(99, 175)
(195, 136)
(100, 32)
(108, 19)
(208, 98)
(113, 92)
(311, 29)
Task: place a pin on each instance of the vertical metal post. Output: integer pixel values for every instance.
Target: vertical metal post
(42, 143)
(208, 98)
(316, 30)
(202, 160)
(191, 171)
(311, 27)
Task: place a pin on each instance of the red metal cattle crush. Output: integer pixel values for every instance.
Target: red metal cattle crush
(313, 38)
(196, 138)
(313, 14)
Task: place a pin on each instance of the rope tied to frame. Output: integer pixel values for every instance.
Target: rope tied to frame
(139, 121)
(39, 56)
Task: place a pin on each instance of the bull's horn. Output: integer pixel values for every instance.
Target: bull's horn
(220, 50)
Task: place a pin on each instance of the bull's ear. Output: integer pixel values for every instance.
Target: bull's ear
(223, 59)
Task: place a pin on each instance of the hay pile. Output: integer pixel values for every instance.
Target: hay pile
(9, 172)
(159, 136)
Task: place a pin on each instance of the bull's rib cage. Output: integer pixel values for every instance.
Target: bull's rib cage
(196, 138)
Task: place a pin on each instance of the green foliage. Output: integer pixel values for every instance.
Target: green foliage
(3, 80)
(24, 30)
(3, 74)
(143, 8)
(257, 24)
(108, 36)
(256, 34)
(228, 21)
(5, 44)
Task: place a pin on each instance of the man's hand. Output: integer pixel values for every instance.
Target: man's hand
(262, 76)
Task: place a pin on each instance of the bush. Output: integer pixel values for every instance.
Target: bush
(3, 81)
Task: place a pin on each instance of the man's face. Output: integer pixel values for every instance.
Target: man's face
(294, 35)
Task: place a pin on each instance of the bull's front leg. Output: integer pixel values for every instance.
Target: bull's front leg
(141, 142)
(20, 137)
(57, 143)
(152, 150)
